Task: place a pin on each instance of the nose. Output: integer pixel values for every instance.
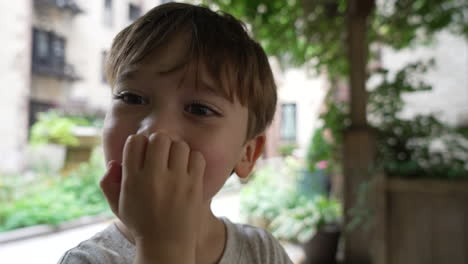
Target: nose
(161, 123)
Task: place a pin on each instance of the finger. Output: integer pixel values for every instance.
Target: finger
(110, 185)
(179, 156)
(132, 157)
(196, 167)
(142, 152)
(157, 153)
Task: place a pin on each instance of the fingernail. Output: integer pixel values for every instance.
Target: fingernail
(131, 137)
(109, 164)
(151, 136)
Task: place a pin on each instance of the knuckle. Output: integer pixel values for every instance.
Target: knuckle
(133, 141)
(130, 137)
(182, 145)
(199, 157)
(153, 137)
(130, 140)
(159, 138)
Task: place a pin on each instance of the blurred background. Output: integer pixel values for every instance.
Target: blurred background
(366, 160)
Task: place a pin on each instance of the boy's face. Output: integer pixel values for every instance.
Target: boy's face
(149, 98)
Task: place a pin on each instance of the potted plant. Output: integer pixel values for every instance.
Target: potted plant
(78, 135)
(274, 200)
(323, 245)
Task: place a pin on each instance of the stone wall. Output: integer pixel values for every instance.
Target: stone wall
(15, 33)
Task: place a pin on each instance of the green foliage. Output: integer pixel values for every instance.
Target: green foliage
(53, 127)
(275, 203)
(52, 199)
(319, 149)
(296, 34)
(327, 211)
(287, 149)
(314, 32)
(335, 121)
(257, 200)
(8, 187)
(401, 23)
(405, 147)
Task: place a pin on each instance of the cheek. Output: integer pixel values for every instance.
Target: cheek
(114, 136)
(220, 161)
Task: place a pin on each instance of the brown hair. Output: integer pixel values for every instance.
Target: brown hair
(219, 41)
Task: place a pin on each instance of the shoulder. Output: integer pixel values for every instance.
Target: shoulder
(254, 244)
(107, 246)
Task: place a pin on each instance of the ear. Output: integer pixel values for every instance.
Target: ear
(252, 151)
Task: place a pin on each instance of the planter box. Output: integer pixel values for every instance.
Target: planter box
(88, 139)
(421, 221)
(49, 157)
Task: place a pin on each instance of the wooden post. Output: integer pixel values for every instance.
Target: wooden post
(380, 236)
(358, 139)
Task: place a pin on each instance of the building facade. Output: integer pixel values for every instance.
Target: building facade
(448, 77)
(15, 78)
(53, 54)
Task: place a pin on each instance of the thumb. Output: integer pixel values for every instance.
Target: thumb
(110, 185)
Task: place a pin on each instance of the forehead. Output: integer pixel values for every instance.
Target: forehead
(178, 55)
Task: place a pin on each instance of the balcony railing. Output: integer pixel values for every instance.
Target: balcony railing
(61, 71)
(66, 5)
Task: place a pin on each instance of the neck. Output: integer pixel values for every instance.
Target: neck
(212, 230)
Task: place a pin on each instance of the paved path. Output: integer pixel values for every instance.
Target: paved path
(48, 249)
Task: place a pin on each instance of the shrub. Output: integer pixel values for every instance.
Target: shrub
(319, 149)
(52, 199)
(422, 146)
(299, 221)
(273, 200)
(287, 149)
(54, 127)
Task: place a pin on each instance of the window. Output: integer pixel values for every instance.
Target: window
(58, 51)
(288, 122)
(108, 17)
(62, 3)
(40, 45)
(108, 4)
(103, 66)
(134, 12)
(69, 5)
(48, 49)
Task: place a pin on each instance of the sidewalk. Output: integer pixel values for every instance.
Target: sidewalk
(49, 248)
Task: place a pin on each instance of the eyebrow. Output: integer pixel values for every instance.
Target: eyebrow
(205, 86)
(128, 74)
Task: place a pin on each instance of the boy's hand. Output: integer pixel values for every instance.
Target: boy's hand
(160, 196)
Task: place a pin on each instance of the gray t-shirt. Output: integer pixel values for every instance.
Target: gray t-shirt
(245, 244)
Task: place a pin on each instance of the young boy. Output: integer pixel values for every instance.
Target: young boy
(192, 97)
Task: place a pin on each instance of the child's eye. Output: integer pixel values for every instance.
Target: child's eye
(200, 109)
(130, 98)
